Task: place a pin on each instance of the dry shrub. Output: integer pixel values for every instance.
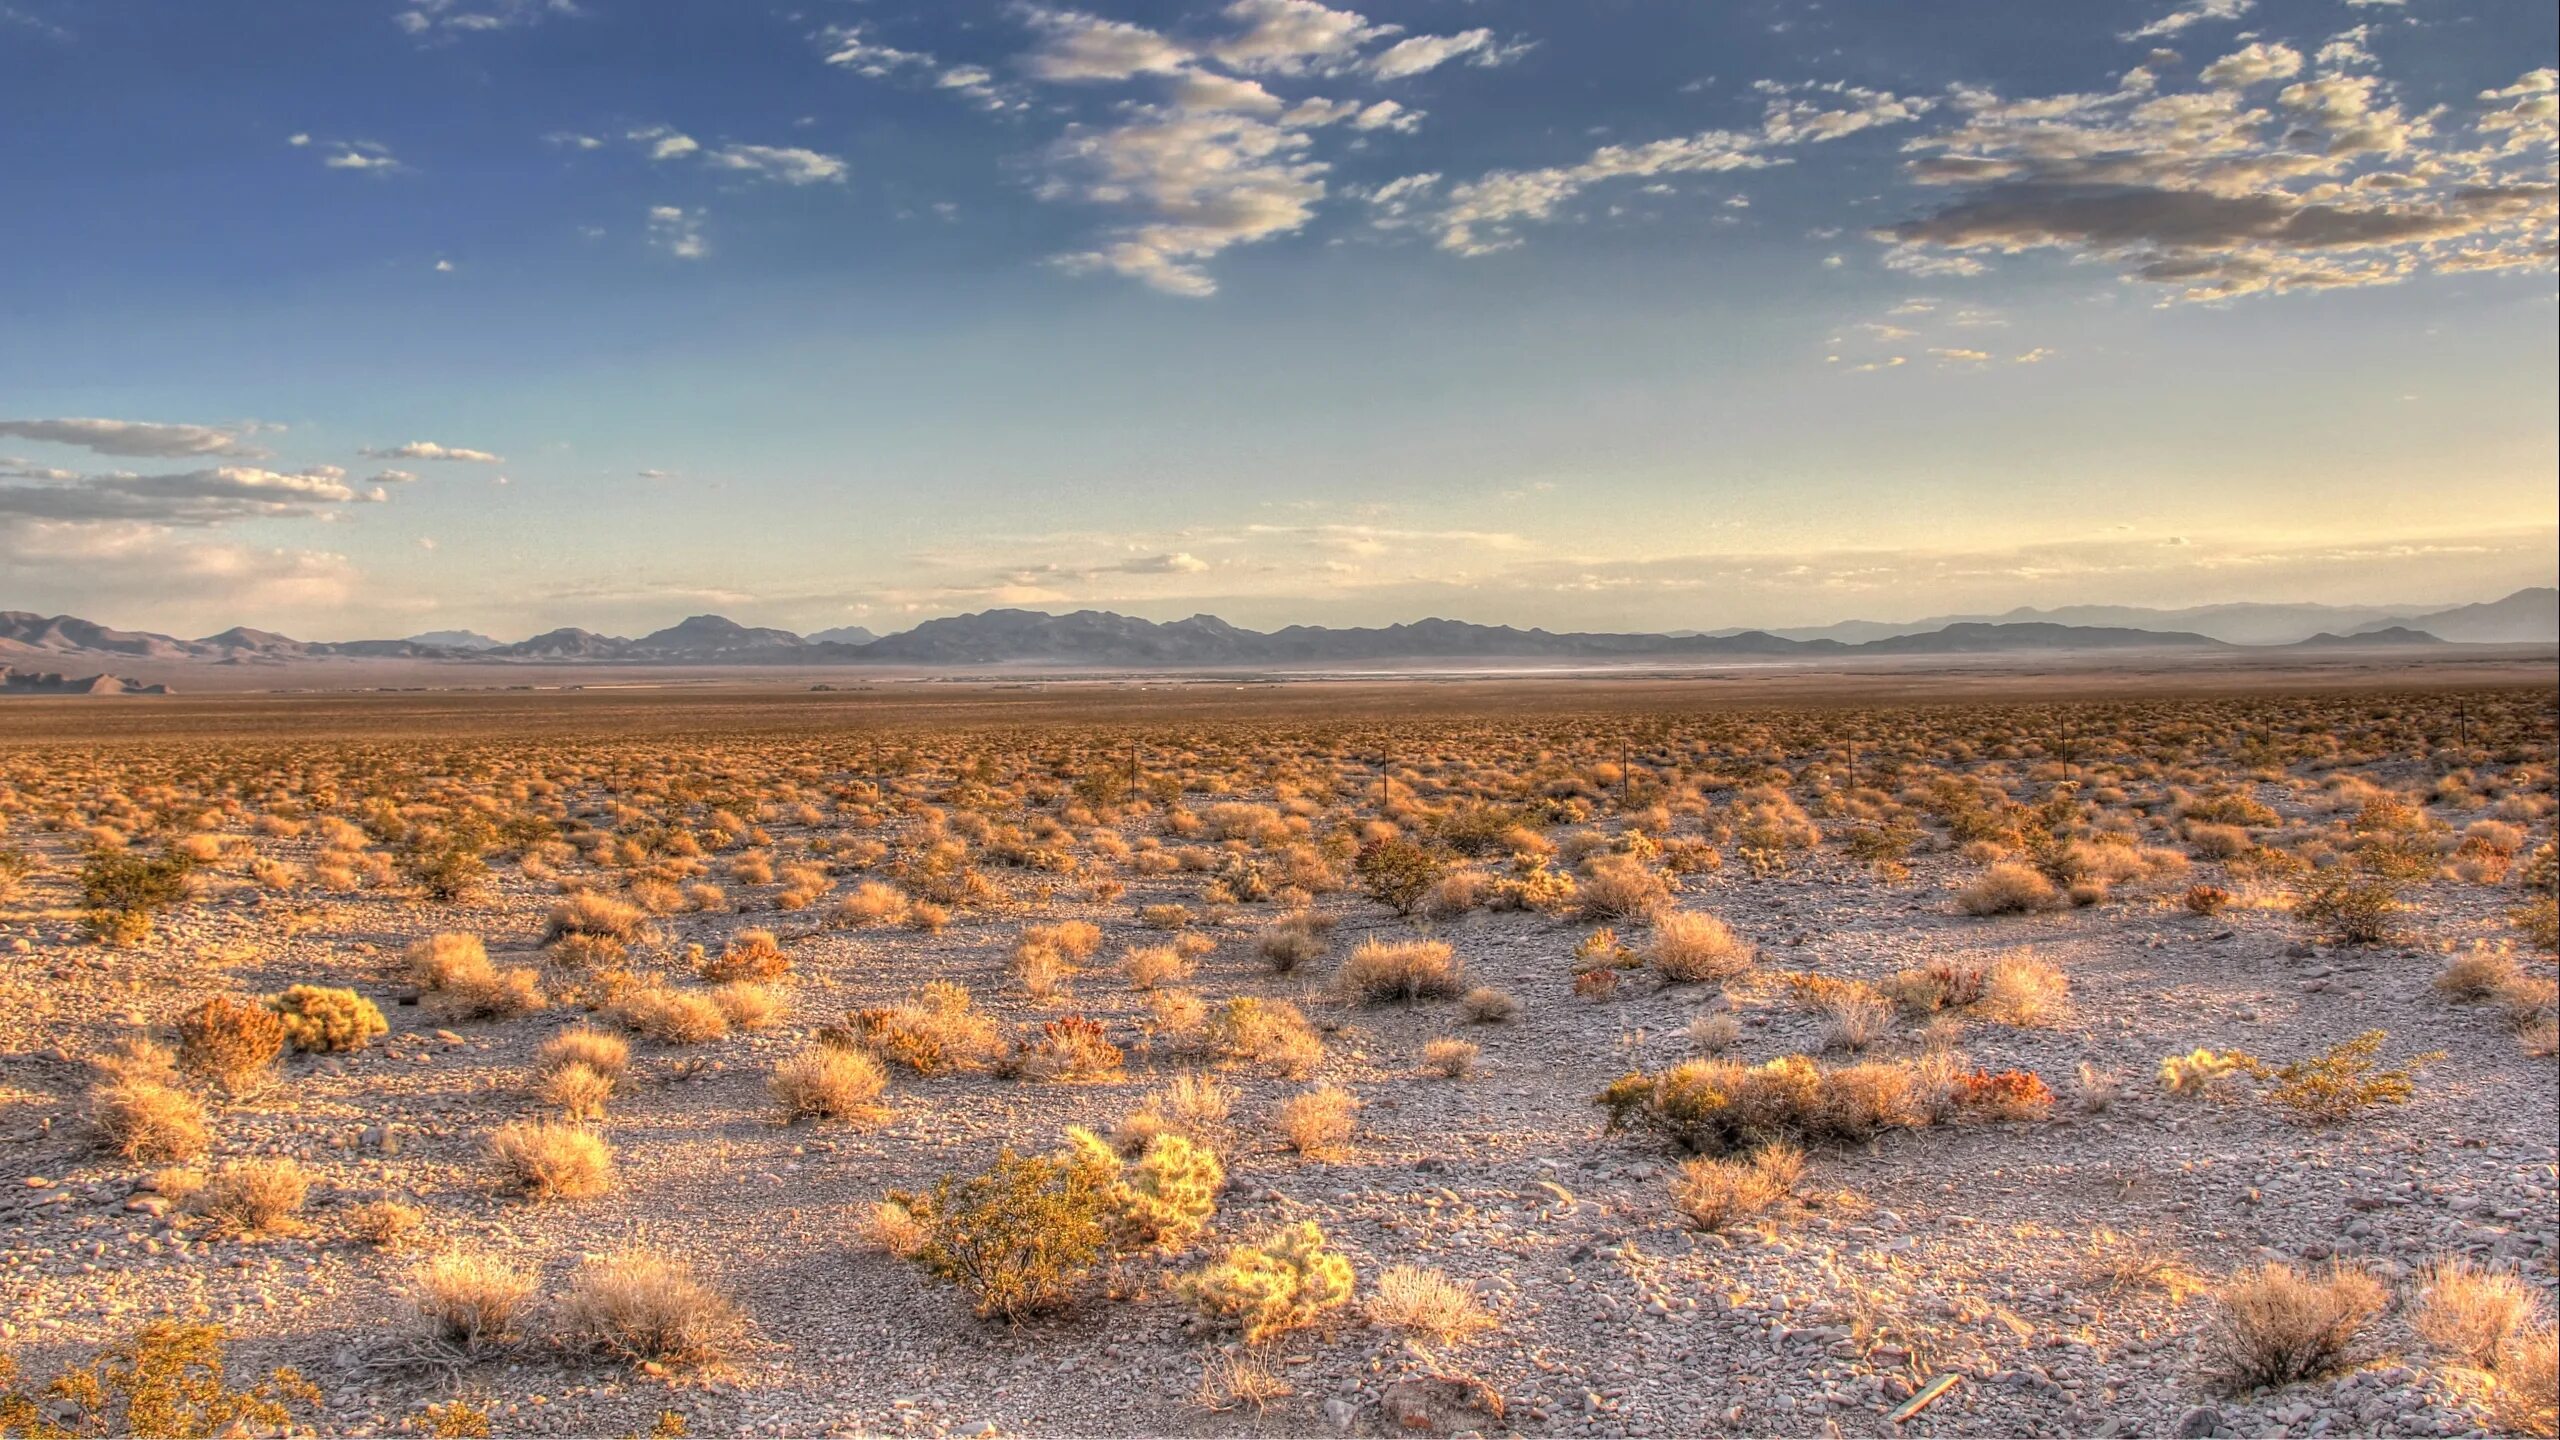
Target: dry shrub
(1691, 946)
(385, 1224)
(600, 1051)
(255, 1197)
(143, 1119)
(547, 1160)
(648, 1307)
(1621, 887)
(1426, 1303)
(1071, 1047)
(1715, 1034)
(672, 1017)
(1449, 1058)
(1855, 1017)
(1270, 1033)
(874, 903)
(1408, 970)
(2467, 1313)
(2526, 1398)
(2025, 990)
(1195, 1107)
(1715, 1192)
(470, 1299)
(749, 1004)
(749, 955)
(939, 1029)
(593, 915)
(1716, 1106)
(2007, 889)
(1318, 1123)
(1148, 966)
(2277, 1324)
(455, 969)
(1485, 1005)
(1294, 940)
(1075, 939)
(828, 1083)
(229, 1041)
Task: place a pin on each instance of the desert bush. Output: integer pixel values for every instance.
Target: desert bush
(1017, 1238)
(1148, 966)
(671, 1016)
(2525, 1398)
(1717, 1192)
(325, 1019)
(749, 1004)
(1194, 1107)
(229, 1041)
(456, 969)
(1485, 1005)
(939, 1029)
(385, 1224)
(599, 1051)
(2469, 1314)
(1715, 1106)
(2478, 973)
(2024, 989)
(1160, 1201)
(2007, 889)
(1426, 1303)
(2276, 1324)
(122, 895)
(874, 903)
(1691, 946)
(167, 1380)
(2003, 1095)
(1450, 1058)
(648, 1307)
(2206, 900)
(591, 915)
(469, 1299)
(749, 955)
(1294, 940)
(1621, 887)
(1407, 970)
(828, 1083)
(2202, 1072)
(547, 1160)
(1397, 873)
(2351, 909)
(2343, 1081)
(1285, 1281)
(1318, 1123)
(142, 1119)
(255, 1197)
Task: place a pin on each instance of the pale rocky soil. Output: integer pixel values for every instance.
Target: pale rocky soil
(1954, 1249)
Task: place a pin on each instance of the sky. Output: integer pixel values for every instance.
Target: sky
(359, 318)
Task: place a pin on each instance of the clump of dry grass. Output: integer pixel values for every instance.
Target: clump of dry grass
(385, 1224)
(1621, 887)
(1692, 947)
(939, 1029)
(455, 968)
(752, 954)
(592, 915)
(645, 1306)
(229, 1041)
(1716, 1193)
(1195, 1107)
(829, 1083)
(1318, 1123)
(1150, 966)
(255, 1197)
(2468, 1314)
(1426, 1303)
(2277, 1324)
(1408, 970)
(671, 1016)
(2025, 990)
(875, 903)
(143, 1119)
(2007, 888)
(469, 1299)
(1450, 1058)
(1294, 940)
(749, 1004)
(1485, 1005)
(547, 1160)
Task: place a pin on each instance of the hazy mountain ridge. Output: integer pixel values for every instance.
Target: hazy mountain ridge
(1014, 636)
(2530, 616)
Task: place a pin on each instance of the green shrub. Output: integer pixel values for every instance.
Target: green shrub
(324, 1019)
(2343, 1081)
(123, 894)
(1016, 1238)
(1284, 1281)
(2352, 909)
(1397, 873)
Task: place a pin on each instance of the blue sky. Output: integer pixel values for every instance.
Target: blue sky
(365, 318)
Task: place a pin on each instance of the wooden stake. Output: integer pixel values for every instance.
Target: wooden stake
(1927, 1397)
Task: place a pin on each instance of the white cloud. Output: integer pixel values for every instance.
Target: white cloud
(665, 142)
(787, 164)
(215, 496)
(1078, 46)
(2253, 64)
(430, 450)
(135, 437)
(2195, 12)
(678, 231)
(1199, 184)
(1421, 53)
(1289, 36)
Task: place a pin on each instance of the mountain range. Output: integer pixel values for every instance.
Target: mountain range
(1096, 637)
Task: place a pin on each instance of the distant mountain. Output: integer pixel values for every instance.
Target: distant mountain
(1100, 637)
(2367, 639)
(2528, 617)
(457, 640)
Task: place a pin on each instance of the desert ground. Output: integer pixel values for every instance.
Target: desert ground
(1959, 1052)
